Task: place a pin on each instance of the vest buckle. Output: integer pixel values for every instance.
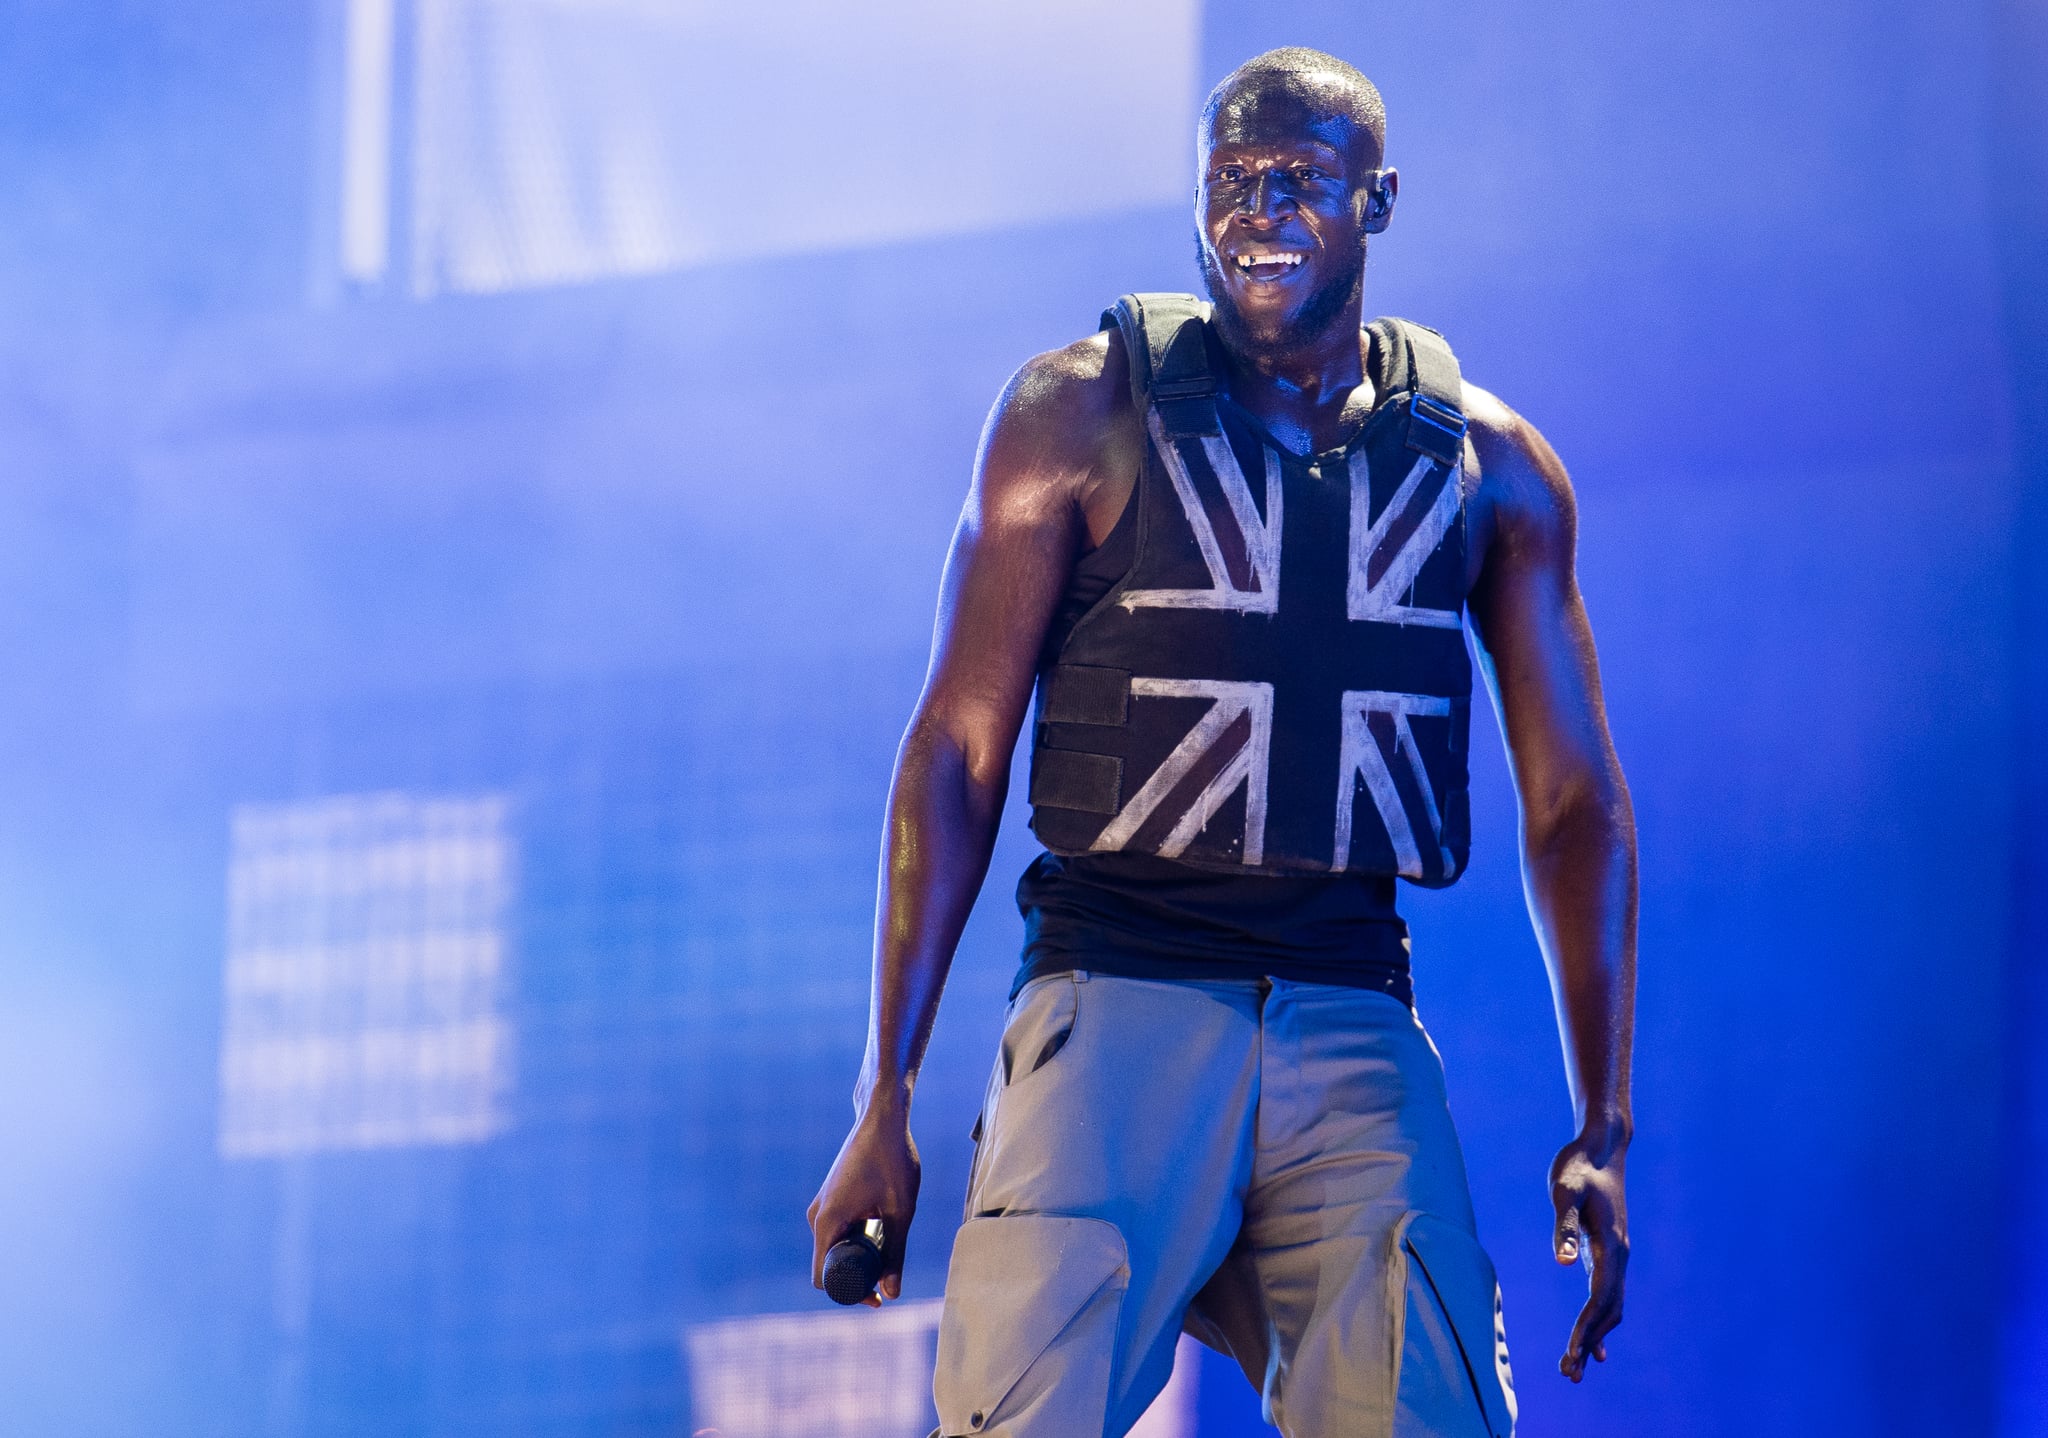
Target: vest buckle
(1435, 429)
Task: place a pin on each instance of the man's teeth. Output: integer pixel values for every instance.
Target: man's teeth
(1245, 262)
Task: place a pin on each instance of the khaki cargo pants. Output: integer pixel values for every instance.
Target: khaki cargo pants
(1270, 1165)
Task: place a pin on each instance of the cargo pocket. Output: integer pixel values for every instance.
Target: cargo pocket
(1451, 1375)
(1027, 1340)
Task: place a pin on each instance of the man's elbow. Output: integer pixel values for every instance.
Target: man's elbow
(1587, 810)
(941, 741)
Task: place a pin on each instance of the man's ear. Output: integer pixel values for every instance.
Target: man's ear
(1379, 201)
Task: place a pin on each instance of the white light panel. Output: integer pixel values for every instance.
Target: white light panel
(852, 1373)
(366, 974)
(565, 140)
(855, 1373)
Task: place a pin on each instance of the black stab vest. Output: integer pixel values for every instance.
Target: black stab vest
(1279, 684)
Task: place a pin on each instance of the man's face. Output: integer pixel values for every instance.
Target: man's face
(1284, 207)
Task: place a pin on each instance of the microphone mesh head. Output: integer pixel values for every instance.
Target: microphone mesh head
(852, 1269)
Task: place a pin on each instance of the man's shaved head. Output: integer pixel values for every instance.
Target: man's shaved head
(1302, 85)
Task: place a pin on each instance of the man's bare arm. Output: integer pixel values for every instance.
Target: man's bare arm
(1578, 834)
(1012, 553)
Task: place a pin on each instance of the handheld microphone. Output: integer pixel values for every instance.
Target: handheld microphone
(853, 1266)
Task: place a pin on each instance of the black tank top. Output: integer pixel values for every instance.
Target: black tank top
(1141, 916)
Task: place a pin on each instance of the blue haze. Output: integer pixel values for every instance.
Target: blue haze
(658, 558)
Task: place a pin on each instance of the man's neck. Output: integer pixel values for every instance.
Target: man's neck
(1303, 391)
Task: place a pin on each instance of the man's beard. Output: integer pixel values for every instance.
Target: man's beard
(1288, 332)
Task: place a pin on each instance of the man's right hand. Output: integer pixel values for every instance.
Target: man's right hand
(875, 1176)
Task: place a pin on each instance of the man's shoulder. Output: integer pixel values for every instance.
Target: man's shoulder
(1491, 422)
(1067, 407)
(1518, 475)
(1088, 378)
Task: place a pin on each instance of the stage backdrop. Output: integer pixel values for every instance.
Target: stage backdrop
(475, 475)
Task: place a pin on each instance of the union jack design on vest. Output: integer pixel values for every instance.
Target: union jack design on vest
(1249, 546)
(1379, 748)
(1388, 553)
(1201, 712)
(1211, 739)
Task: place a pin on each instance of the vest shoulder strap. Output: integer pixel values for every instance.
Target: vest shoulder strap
(1165, 340)
(1415, 358)
(1165, 336)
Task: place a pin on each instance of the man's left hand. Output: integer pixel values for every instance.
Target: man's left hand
(1592, 1227)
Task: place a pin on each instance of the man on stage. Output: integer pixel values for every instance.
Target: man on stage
(1231, 547)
